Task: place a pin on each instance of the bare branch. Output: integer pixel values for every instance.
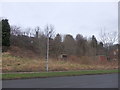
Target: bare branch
(49, 31)
(108, 38)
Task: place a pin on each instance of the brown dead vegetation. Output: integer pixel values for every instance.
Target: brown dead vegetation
(18, 60)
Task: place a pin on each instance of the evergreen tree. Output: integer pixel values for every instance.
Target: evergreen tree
(94, 42)
(101, 45)
(94, 45)
(5, 33)
(0, 35)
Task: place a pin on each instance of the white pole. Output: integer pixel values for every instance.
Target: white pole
(47, 52)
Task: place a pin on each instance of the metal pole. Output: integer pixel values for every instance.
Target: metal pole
(47, 53)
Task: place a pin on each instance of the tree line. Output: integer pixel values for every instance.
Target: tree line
(59, 44)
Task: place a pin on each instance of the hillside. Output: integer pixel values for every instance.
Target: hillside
(21, 60)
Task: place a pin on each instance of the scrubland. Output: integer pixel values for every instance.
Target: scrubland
(13, 63)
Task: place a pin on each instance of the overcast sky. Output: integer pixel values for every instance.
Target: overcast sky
(86, 18)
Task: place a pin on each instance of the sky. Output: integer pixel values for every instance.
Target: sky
(86, 18)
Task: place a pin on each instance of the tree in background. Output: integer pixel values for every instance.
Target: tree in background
(15, 30)
(0, 36)
(5, 34)
(81, 46)
(69, 45)
(108, 39)
(94, 42)
(100, 49)
(37, 29)
(58, 47)
(94, 45)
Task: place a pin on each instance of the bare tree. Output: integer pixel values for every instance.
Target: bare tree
(108, 38)
(28, 30)
(16, 30)
(49, 30)
(37, 29)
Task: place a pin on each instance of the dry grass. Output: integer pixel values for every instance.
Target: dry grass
(12, 63)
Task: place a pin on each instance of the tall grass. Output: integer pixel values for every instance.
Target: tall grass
(12, 63)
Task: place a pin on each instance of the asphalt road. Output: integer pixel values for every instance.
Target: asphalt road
(85, 81)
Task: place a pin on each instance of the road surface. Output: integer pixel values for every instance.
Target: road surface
(84, 81)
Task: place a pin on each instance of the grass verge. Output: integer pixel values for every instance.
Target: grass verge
(54, 74)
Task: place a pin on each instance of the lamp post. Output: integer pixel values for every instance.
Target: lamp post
(47, 57)
(49, 32)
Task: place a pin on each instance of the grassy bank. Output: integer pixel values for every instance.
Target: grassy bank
(11, 63)
(54, 74)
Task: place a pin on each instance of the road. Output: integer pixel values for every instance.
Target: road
(84, 81)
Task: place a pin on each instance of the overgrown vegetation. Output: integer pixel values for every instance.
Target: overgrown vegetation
(27, 51)
(12, 63)
(36, 40)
